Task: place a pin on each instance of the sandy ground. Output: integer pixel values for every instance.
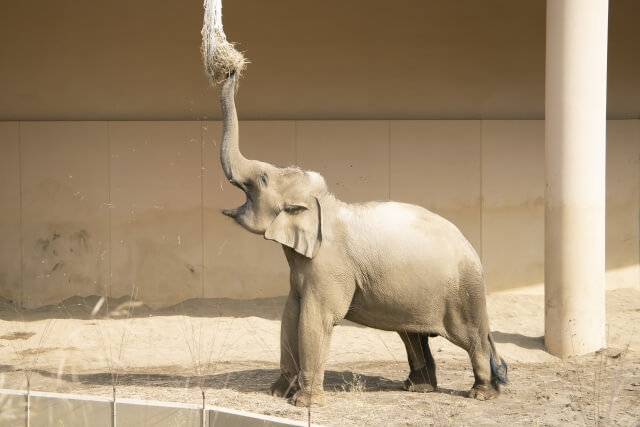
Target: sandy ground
(230, 349)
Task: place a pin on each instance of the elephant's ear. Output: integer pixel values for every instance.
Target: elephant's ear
(298, 226)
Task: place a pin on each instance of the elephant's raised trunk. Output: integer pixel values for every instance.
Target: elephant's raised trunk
(236, 167)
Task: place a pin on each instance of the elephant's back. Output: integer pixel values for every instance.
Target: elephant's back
(415, 224)
(411, 242)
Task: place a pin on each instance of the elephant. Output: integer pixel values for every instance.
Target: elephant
(386, 265)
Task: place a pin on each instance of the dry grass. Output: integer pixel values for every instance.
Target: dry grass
(114, 345)
(355, 385)
(221, 59)
(206, 348)
(27, 353)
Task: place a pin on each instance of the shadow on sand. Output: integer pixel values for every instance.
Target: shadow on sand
(245, 381)
(94, 306)
(530, 343)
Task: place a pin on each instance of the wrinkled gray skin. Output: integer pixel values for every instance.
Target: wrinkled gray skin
(386, 265)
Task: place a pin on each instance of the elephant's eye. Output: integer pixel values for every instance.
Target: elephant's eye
(263, 180)
(294, 209)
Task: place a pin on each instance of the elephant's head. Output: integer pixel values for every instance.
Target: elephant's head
(283, 204)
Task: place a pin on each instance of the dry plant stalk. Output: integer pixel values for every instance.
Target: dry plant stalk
(203, 358)
(28, 357)
(115, 363)
(221, 59)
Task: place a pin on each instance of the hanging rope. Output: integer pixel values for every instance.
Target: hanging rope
(220, 57)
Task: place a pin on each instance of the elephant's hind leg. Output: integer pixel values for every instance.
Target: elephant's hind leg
(422, 377)
(484, 387)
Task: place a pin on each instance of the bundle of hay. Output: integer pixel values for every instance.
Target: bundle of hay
(220, 57)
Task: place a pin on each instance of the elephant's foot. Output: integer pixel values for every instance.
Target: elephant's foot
(285, 386)
(484, 391)
(421, 381)
(308, 399)
(418, 387)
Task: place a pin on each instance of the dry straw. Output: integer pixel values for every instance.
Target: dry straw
(220, 57)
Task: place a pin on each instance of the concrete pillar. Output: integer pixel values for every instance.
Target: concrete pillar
(575, 147)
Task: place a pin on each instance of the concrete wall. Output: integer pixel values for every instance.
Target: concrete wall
(133, 207)
(623, 208)
(57, 409)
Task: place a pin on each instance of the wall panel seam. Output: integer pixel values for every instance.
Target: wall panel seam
(108, 291)
(21, 296)
(202, 142)
(295, 142)
(389, 157)
(482, 124)
(638, 219)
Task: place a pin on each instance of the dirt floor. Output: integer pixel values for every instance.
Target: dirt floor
(230, 349)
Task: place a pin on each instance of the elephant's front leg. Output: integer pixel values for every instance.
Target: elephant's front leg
(314, 336)
(287, 384)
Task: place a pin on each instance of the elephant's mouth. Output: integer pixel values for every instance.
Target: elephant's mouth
(232, 213)
(244, 216)
(237, 212)
(240, 210)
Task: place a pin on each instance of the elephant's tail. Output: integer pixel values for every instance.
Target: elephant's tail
(498, 365)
